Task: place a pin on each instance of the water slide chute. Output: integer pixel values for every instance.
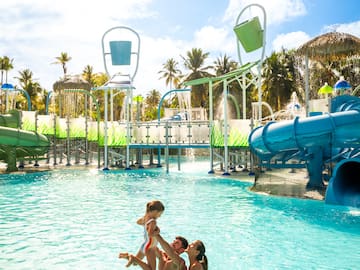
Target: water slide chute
(16, 143)
(344, 186)
(315, 140)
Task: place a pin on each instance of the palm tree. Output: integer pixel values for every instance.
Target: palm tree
(25, 78)
(152, 102)
(62, 60)
(171, 73)
(172, 76)
(278, 79)
(88, 75)
(194, 62)
(223, 65)
(33, 88)
(6, 64)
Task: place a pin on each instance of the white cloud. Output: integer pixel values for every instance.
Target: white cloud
(154, 53)
(290, 40)
(277, 11)
(39, 31)
(295, 39)
(350, 28)
(214, 39)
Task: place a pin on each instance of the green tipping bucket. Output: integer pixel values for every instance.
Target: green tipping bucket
(250, 34)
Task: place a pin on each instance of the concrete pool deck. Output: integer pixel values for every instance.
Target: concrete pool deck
(281, 182)
(287, 182)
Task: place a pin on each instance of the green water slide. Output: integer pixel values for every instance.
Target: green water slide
(19, 144)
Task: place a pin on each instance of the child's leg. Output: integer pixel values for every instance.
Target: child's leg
(133, 260)
(140, 255)
(151, 258)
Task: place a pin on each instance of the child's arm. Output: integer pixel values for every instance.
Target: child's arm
(150, 227)
(141, 221)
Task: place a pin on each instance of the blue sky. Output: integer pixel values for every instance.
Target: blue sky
(34, 32)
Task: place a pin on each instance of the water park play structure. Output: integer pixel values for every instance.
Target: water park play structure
(19, 144)
(326, 143)
(316, 143)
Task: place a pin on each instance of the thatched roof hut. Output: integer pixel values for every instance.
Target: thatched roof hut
(71, 82)
(331, 46)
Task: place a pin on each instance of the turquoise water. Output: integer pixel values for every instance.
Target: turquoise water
(81, 219)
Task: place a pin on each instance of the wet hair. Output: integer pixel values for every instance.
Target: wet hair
(201, 257)
(154, 206)
(184, 242)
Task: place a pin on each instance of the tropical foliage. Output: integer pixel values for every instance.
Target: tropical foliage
(194, 62)
(34, 90)
(278, 79)
(6, 64)
(171, 73)
(282, 74)
(152, 101)
(62, 60)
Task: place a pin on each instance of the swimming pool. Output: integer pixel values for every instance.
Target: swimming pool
(82, 219)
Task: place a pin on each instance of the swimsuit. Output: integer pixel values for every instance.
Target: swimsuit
(148, 241)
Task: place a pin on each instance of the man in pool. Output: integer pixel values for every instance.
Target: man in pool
(170, 260)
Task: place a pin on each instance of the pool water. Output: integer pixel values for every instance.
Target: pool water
(82, 219)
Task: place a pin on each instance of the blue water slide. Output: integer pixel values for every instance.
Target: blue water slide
(315, 140)
(344, 186)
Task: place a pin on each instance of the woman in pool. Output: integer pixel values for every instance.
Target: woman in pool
(197, 257)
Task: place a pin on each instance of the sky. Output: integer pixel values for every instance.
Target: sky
(35, 32)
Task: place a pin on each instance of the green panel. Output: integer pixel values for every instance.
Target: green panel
(28, 120)
(237, 138)
(61, 128)
(77, 128)
(92, 131)
(116, 134)
(217, 138)
(45, 124)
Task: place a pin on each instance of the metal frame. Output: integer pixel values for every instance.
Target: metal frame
(115, 84)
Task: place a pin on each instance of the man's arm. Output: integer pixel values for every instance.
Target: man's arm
(168, 249)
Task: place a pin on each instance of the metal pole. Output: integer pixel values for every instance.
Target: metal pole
(260, 93)
(128, 111)
(167, 146)
(86, 131)
(211, 125)
(226, 150)
(307, 84)
(68, 138)
(105, 131)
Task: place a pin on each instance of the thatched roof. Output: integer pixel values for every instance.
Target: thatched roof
(72, 82)
(333, 45)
